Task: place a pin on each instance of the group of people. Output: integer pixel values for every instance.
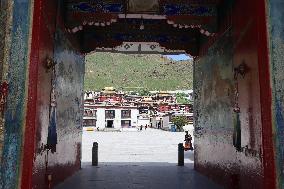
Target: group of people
(141, 127)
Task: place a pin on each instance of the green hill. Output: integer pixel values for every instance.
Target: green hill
(130, 72)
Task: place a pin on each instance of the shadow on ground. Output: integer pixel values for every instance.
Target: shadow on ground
(137, 175)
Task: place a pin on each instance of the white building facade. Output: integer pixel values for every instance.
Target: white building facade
(161, 121)
(116, 117)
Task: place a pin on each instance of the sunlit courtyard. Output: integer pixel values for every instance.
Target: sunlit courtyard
(136, 159)
(149, 145)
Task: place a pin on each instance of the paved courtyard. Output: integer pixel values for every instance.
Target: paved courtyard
(132, 159)
(132, 146)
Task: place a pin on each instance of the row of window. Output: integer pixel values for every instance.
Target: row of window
(89, 122)
(92, 123)
(90, 113)
(110, 114)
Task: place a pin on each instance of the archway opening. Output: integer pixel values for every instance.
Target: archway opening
(129, 93)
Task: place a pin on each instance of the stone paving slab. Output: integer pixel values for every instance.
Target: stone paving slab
(138, 176)
(136, 160)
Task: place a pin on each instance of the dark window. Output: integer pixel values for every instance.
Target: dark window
(89, 123)
(110, 114)
(125, 114)
(90, 113)
(125, 123)
(143, 111)
(86, 113)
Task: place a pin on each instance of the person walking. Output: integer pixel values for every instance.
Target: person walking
(146, 127)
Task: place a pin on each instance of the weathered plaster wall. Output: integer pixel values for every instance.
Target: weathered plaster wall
(276, 34)
(69, 102)
(216, 123)
(67, 80)
(213, 108)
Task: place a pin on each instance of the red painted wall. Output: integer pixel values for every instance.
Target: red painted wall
(49, 40)
(238, 42)
(39, 91)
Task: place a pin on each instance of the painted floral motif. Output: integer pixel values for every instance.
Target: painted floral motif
(98, 7)
(185, 9)
(3, 100)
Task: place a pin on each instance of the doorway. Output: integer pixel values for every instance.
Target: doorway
(109, 123)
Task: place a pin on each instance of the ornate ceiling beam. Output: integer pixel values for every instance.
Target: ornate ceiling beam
(140, 48)
(183, 13)
(174, 24)
(162, 33)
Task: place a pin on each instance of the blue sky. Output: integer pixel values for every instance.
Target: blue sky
(179, 57)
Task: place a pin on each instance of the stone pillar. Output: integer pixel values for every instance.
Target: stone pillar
(180, 154)
(95, 154)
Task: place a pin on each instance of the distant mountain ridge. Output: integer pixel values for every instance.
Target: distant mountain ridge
(133, 72)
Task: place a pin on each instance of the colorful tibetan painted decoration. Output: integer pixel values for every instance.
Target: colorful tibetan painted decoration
(143, 6)
(97, 7)
(3, 97)
(237, 132)
(52, 133)
(237, 110)
(3, 100)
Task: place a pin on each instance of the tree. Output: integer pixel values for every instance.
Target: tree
(182, 98)
(144, 92)
(133, 93)
(180, 121)
(181, 95)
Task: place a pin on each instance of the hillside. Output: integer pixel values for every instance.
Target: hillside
(130, 72)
